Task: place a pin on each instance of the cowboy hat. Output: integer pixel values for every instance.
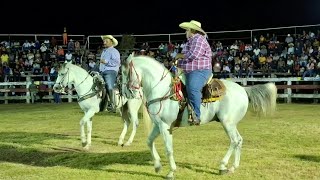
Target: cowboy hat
(114, 40)
(192, 25)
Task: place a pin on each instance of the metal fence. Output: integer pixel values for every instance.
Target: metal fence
(225, 37)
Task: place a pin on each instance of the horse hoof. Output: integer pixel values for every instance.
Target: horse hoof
(231, 170)
(84, 144)
(222, 172)
(157, 169)
(127, 144)
(86, 148)
(170, 178)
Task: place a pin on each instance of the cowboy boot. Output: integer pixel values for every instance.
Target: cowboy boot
(192, 120)
(111, 105)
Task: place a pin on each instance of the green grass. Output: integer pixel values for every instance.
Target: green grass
(41, 141)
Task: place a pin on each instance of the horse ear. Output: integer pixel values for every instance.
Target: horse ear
(130, 57)
(64, 65)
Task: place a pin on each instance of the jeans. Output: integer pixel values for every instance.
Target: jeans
(57, 98)
(110, 78)
(195, 81)
(309, 72)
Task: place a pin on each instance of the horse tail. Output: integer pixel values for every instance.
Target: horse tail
(146, 118)
(263, 98)
(104, 100)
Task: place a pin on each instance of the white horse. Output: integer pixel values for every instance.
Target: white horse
(92, 99)
(146, 72)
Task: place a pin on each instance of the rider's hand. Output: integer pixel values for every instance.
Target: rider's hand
(173, 62)
(179, 56)
(103, 61)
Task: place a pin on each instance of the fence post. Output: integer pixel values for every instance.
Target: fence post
(244, 82)
(6, 95)
(315, 100)
(28, 95)
(289, 91)
(50, 92)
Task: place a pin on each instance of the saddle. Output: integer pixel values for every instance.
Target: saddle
(212, 91)
(98, 80)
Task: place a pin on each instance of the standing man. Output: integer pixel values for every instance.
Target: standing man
(109, 67)
(65, 36)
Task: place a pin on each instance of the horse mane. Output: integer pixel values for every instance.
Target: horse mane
(73, 66)
(147, 61)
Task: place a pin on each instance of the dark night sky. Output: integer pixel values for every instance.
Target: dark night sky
(156, 16)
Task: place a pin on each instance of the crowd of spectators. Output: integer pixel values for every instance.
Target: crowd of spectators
(36, 58)
(266, 56)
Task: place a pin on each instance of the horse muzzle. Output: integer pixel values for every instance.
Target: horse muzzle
(58, 88)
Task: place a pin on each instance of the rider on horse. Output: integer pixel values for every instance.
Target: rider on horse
(109, 67)
(196, 63)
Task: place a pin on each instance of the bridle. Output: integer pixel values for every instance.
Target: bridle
(62, 87)
(131, 86)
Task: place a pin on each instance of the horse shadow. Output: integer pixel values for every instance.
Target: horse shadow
(19, 147)
(29, 139)
(198, 168)
(310, 158)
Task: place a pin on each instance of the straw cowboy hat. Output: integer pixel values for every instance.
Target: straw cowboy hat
(114, 40)
(192, 25)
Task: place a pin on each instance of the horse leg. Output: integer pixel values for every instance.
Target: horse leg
(133, 114)
(237, 153)
(82, 133)
(167, 137)
(89, 134)
(231, 131)
(86, 141)
(126, 124)
(150, 142)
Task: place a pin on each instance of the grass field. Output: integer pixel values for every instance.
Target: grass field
(41, 141)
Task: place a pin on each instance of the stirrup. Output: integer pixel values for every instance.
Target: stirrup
(111, 108)
(193, 122)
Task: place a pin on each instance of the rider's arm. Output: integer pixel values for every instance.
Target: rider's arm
(114, 58)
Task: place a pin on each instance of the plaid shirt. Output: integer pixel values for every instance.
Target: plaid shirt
(197, 54)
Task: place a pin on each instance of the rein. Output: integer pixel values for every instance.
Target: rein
(147, 104)
(86, 95)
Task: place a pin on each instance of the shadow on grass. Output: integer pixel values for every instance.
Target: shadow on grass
(108, 114)
(198, 168)
(75, 158)
(22, 151)
(28, 139)
(304, 157)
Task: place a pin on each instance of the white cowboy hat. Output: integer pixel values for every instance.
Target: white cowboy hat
(114, 40)
(192, 25)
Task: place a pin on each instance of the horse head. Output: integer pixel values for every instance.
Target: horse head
(129, 77)
(63, 79)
